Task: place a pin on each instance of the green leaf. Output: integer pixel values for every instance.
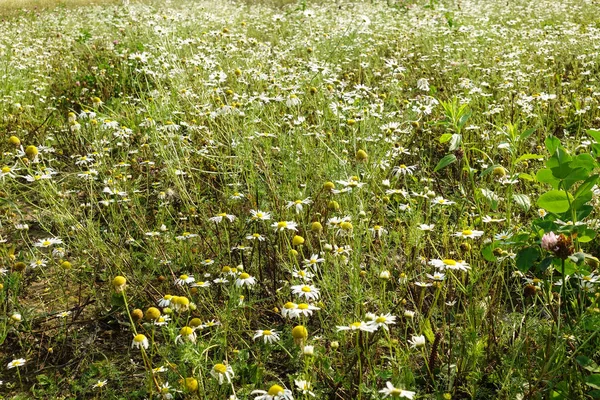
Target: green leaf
(526, 177)
(594, 134)
(529, 156)
(583, 160)
(552, 143)
(522, 201)
(444, 162)
(545, 176)
(593, 381)
(526, 257)
(555, 201)
(586, 186)
(445, 137)
(587, 363)
(455, 142)
(488, 252)
(586, 236)
(524, 135)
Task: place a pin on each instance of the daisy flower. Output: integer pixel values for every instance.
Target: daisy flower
(186, 333)
(439, 200)
(303, 274)
(313, 260)
(100, 384)
(275, 392)
(165, 301)
(383, 320)
(297, 204)
(283, 225)
(394, 392)
(503, 235)
(438, 276)
(304, 309)
(140, 340)
(289, 310)
(404, 170)
(258, 215)
(426, 227)
(19, 362)
(221, 372)
(184, 279)
(356, 326)
(256, 236)
(245, 280)
(268, 335)
(304, 386)
(468, 233)
(487, 219)
(309, 292)
(47, 242)
(378, 231)
(417, 341)
(219, 218)
(450, 264)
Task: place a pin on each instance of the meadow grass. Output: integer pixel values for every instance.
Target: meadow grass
(275, 201)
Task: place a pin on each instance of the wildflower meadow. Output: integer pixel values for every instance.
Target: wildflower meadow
(278, 200)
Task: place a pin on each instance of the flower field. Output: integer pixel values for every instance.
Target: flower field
(301, 200)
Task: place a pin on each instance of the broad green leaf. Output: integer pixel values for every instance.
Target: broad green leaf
(583, 160)
(555, 201)
(586, 186)
(522, 201)
(455, 142)
(444, 162)
(524, 135)
(445, 137)
(526, 177)
(552, 143)
(526, 257)
(529, 156)
(488, 252)
(545, 176)
(594, 134)
(593, 381)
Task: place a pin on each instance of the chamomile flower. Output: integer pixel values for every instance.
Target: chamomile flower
(268, 335)
(19, 362)
(304, 386)
(441, 201)
(222, 372)
(298, 204)
(165, 301)
(219, 218)
(275, 392)
(99, 384)
(503, 236)
(313, 260)
(186, 333)
(359, 325)
(303, 274)
(304, 309)
(450, 264)
(140, 340)
(403, 169)
(244, 279)
(184, 280)
(258, 215)
(426, 227)
(289, 310)
(468, 233)
(47, 242)
(256, 236)
(383, 320)
(417, 341)
(438, 276)
(309, 292)
(283, 225)
(395, 393)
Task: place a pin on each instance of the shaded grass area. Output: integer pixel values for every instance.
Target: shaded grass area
(14, 7)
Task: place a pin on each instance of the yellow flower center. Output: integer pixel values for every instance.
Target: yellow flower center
(355, 324)
(303, 306)
(256, 235)
(183, 277)
(298, 202)
(280, 225)
(220, 368)
(46, 243)
(306, 289)
(244, 275)
(267, 333)
(275, 390)
(449, 262)
(6, 170)
(289, 305)
(139, 338)
(380, 320)
(467, 232)
(221, 215)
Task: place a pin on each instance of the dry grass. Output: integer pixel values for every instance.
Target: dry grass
(11, 7)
